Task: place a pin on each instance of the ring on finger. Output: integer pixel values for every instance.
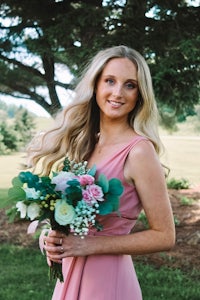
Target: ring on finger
(62, 250)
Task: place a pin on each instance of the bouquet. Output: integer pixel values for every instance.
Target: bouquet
(69, 201)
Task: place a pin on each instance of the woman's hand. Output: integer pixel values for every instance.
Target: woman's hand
(59, 246)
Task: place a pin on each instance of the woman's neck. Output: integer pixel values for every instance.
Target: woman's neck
(115, 134)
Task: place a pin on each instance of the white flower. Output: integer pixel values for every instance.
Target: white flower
(61, 179)
(31, 193)
(33, 211)
(22, 208)
(64, 213)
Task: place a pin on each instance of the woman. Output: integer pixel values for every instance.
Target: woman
(112, 123)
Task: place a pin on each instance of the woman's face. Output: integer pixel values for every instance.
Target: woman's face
(117, 89)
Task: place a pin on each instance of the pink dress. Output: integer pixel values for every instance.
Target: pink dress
(106, 277)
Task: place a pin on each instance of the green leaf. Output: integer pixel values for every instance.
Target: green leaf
(54, 174)
(103, 182)
(114, 200)
(98, 226)
(105, 208)
(16, 194)
(29, 178)
(92, 171)
(74, 194)
(73, 182)
(115, 187)
(110, 205)
(17, 182)
(66, 165)
(46, 180)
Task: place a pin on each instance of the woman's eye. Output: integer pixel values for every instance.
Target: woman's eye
(130, 85)
(110, 81)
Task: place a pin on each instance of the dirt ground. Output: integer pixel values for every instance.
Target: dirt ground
(186, 252)
(184, 255)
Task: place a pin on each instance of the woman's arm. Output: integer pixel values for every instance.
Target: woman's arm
(144, 170)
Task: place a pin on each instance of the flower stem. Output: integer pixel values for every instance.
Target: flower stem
(55, 272)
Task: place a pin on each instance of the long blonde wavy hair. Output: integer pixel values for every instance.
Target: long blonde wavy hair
(76, 127)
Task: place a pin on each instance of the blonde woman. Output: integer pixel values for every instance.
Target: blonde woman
(112, 123)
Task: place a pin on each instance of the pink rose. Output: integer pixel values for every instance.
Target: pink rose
(87, 197)
(95, 192)
(86, 179)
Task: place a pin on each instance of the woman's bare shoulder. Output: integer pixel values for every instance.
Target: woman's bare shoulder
(142, 148)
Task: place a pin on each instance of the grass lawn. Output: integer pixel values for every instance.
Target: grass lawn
(24, 276)
(4, 201)
(183, 157)
(9, 167)
(165, 283)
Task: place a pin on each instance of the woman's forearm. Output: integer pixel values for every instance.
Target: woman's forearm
(144, 242)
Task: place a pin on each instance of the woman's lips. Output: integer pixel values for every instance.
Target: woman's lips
(115, 103)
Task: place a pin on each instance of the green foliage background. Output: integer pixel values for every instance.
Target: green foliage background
(16, 128)
(41, 38)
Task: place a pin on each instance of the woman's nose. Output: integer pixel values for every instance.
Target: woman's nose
(117, 91)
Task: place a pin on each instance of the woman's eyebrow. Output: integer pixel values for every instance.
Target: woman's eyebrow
(113, 76)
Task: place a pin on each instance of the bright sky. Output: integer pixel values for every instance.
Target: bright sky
(32, 106)
(64, 95)
(28, 104)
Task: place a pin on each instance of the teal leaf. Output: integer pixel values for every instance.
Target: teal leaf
(45, 186)
(92, 171)
(73, 182)
(103, 182)
(110, 205)
(45, 180)
(105, 208)
(74, 194)
(29, 178)
(114, 200)
(16, 194)
(54, 174)
(115, 187)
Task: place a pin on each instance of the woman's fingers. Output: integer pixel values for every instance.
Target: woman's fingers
(54, 233)
(55, 253)
(58, 246)
(53, 245)
(54, 237)
(54, 248)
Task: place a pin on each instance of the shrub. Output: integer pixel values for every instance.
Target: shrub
(186, 201)
(8, 138)
(178, 184)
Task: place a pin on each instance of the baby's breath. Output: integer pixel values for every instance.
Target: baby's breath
(74, 167)
(85, 218)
